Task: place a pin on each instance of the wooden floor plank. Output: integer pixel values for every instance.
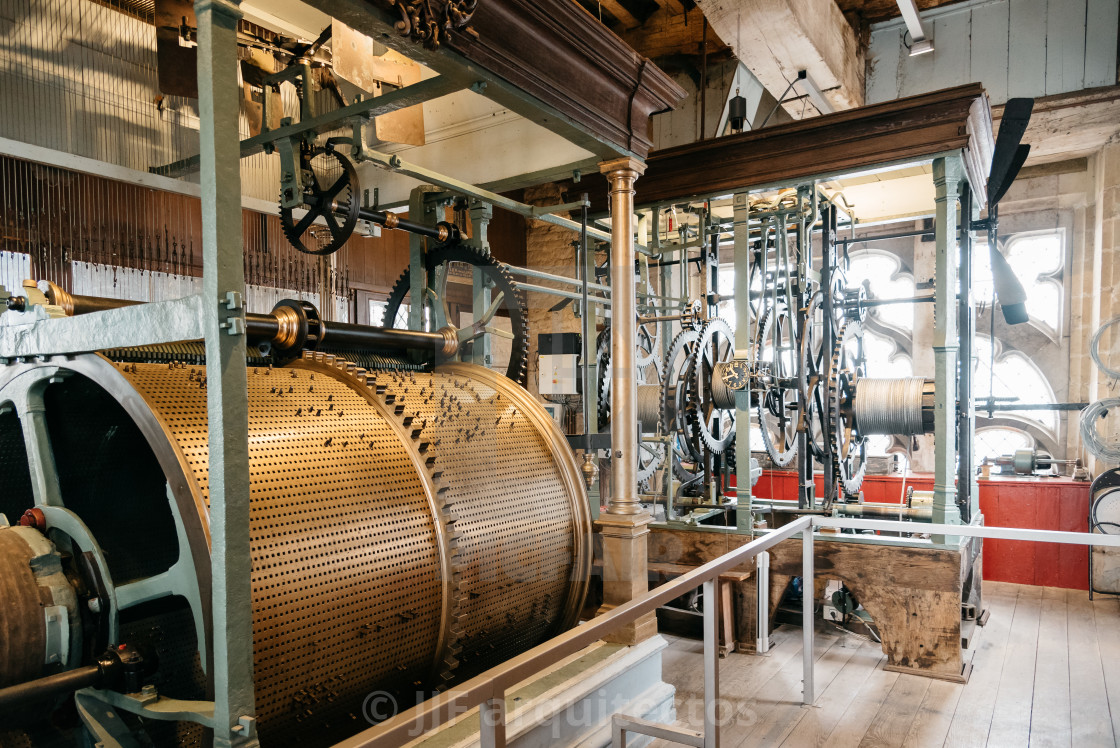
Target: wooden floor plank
(1011, 721)
(973, 716)
(935, 716)
(895, 717)
(851, 729)
(1046, 671)
(1050, 715)
(1087, 695)
(777, 713)
(1106, 616)
(815, 724)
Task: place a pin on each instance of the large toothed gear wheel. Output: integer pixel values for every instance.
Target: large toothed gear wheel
(331, 201)
(513, 299)
(848, 445)
(714, 426)
(650, 454)
(676, 396)
(778, 404)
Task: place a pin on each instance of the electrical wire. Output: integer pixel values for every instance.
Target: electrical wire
(1092, 438)
(1094, 348)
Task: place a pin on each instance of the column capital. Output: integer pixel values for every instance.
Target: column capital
(626, 163)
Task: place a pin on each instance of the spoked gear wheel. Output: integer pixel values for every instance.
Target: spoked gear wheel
(331, 195)
(778, 404)
(849, 447)
(676, 395)
(494, 271)
(713, 426)
(648, 366)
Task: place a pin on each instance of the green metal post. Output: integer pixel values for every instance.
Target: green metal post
(227, 398)
(741, 255)
(420, 210)
(481, 214)
(947, 175)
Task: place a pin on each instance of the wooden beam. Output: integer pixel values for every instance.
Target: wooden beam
(667, 35)
(912, 129)
(549, 61)
(619, 11)
(776, 38)
(1069, 125)
(673, 6)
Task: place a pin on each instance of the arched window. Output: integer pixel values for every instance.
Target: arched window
(1037, 258)
(887, 280)
(994, 442)
(1012, 375)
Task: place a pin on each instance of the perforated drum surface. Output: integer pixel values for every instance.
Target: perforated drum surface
(405, 530)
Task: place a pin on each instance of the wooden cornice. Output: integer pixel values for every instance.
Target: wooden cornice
(907, 129)
(554, 54)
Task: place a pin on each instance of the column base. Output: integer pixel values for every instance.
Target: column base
(625, 571)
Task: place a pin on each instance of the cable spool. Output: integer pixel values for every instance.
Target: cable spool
(649, 406)
(1094, 441)
(722, 395)
(1095, 345)
(901, 406)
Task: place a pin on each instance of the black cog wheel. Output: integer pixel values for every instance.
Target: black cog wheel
(332, 196)
(495, 271)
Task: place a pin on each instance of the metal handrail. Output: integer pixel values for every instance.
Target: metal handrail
(488, 690)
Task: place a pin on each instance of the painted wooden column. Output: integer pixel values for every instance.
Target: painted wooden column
(624, 527)
(947, 175)
(227, 404)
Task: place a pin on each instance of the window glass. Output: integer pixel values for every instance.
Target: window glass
(882, 270)
(1035, 259)
(1014, 375)
(995, 442)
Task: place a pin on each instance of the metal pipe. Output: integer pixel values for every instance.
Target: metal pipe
(562, 293)
(49, 687)
(559, 278)
(274, 328)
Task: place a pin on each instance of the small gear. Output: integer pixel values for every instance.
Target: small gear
(331, 195)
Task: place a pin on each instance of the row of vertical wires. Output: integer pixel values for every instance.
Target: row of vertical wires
(100, 237)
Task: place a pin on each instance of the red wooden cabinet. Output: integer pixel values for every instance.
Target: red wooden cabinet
(1013, 501)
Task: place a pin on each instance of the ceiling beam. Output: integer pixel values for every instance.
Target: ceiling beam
(776, 38)
(621, 14)
(673, 6)
(1066, 126)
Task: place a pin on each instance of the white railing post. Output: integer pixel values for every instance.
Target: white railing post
(762, 582)
(808, 604)
(492, 723)
(711, 663)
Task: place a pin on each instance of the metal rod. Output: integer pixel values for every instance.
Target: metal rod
(585, 324)
(868, 303)
(762, 613)
(808, 605)
(711, 663)
(1034, 406)
(260, 328)
(51, 686)
(582, 282)
(563, 294)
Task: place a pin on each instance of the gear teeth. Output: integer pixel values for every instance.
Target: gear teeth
(394, 389)
(673, 378)
(515, 301)
(708, 331)
(779, 458)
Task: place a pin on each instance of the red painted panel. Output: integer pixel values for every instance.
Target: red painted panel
(1036, 503)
